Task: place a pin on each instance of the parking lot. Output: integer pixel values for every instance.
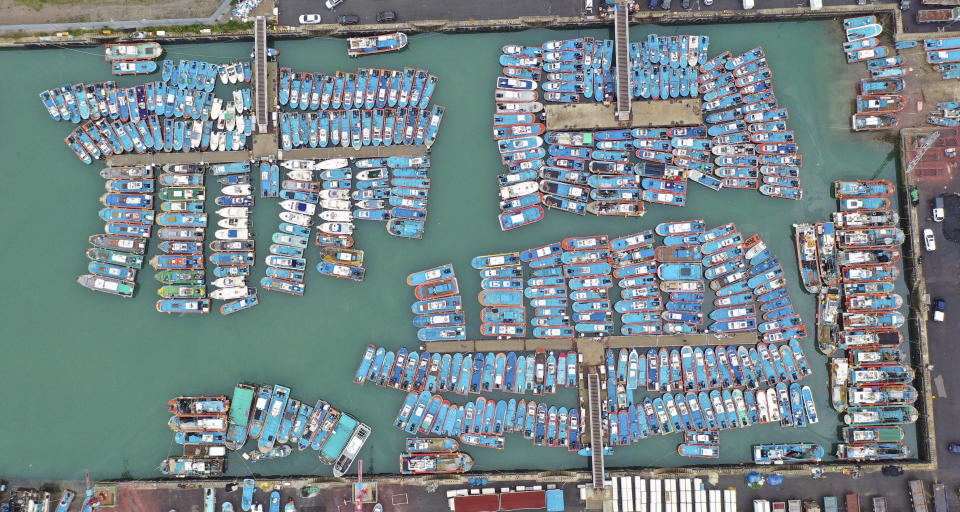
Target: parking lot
(417, 10)
(934, 176)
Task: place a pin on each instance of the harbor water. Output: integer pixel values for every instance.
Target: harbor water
(85, 377)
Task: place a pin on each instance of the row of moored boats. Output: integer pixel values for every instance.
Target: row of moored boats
(133, 58)
(570, 288)
(876, 107)
(745, 144)
(850, 262)
(155, 116)
(372, 107)
(208, 426)
(438, 311)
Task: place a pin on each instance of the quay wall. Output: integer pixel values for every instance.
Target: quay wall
(494, 25)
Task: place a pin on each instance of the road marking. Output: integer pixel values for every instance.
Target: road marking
(938, 383)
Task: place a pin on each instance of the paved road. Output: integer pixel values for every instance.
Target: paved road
(412, 10)
(60, 27)
(942, 273)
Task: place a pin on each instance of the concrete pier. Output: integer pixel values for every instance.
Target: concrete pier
(350, 152)
(193, 157)
(613, 342)
(597, 116)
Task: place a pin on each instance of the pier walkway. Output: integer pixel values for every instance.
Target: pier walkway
(612, 342)
(350, 152)
(192, 157)
(260, 82)
(621, 30)
(596, 430)
(594, 116)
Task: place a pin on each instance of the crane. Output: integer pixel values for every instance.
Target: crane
(927, 143)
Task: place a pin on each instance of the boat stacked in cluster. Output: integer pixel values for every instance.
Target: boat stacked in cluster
(393, 190)
(876, 105)
(484, 423)
(850, 262)
(571, 284)
(200, 425)
(270, 416)
(233, 250)
(372, 107)
(464, 373)
(946, 114)
(128, 214)
(335, 231)
(662, 67)
(438, 312)
(705, 391)
(175, 114)
(753, 148)
(183, 222)
(949, 63)
(133, 58)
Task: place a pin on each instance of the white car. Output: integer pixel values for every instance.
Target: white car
(309, 19)
(333, 3)
(929, 241)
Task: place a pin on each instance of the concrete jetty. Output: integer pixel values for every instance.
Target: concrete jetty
(598, 116)
(612, 342)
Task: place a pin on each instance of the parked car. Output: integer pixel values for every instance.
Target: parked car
(386, 17)
(348, 19)
(904, 5)
(331, 4)
(953, 447)
(929, 240)
(938, 209)
(309, 19)
(939, 309)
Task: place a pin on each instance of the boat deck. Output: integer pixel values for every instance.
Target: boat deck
(592, 116)
(640, 340)
(338, 439)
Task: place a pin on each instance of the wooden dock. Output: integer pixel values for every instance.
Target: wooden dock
(613, 342)
(597, 116)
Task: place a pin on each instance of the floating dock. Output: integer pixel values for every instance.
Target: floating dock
(177, 157)
(598, 116)
(613, 342)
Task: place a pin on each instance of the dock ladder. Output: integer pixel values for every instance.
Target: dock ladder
(596, 429)
(621, 29)
(260, 82)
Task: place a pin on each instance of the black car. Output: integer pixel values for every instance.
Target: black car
(892, 470)
(386, 17)
(348, 19)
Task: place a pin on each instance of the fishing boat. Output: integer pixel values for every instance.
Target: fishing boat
(862, 121)
(357, 46)
(109, 285)
(435, 463)
(183, 467)
(699, 450)
(872, 451)
(790, 453)
(133, 67)
(130, 51)
(183, 306)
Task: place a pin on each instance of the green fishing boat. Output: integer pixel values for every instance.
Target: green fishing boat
(125, 259)
(177, 291)
(180, 276)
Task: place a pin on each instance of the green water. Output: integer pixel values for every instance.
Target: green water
(85, 377)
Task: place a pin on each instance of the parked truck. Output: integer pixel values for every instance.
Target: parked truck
(918, 497)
